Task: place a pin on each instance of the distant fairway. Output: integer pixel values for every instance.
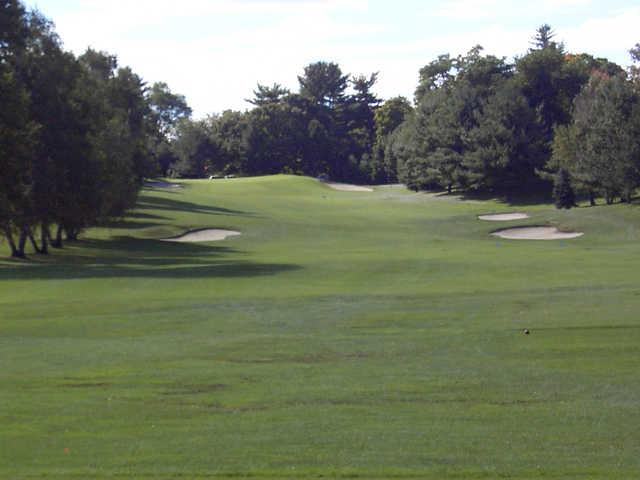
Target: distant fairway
(343, 335)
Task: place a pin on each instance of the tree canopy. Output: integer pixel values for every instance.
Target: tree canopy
(74, 134)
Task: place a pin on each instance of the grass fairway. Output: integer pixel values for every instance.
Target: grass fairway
(343, 335)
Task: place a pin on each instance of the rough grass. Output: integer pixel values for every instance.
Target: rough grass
(343, 335)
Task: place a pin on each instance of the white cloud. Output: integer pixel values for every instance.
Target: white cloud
(493, 9)
(605, 36)
(215, 51)
(215, 70)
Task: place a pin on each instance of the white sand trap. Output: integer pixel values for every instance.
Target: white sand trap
(205, 235)
(162, 185)
(503, 217)
(345, 187)
(535, 233)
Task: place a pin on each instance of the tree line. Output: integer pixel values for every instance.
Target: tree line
(327, 127)
(481, 123)
(78, 135)
(477, 123)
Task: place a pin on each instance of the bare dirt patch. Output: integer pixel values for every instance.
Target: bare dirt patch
(204, 235)
(503, 217)
(535, 233)
(346, 187)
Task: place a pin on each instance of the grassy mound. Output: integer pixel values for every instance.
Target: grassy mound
(359, 336)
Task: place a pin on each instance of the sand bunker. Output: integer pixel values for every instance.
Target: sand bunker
(205, 235)
(345, 187)
(535, 233)
(162, 185)
(503, 217)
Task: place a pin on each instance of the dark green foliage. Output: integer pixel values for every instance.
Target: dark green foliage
(387, 118)
(230, 132)
(167, 107)
(323, 83)
(216, 145)
(74, 135)
(390, 116)
(473, 128)
(435, 75)
(276, 138)
(634, 70)
(264, 95)
(601, 147)
(193, 148)
(543, 37)
(483, 124)
(323, 129)
(563, 195)
(479, 123)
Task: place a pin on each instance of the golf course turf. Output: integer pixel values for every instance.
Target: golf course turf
(342, 335)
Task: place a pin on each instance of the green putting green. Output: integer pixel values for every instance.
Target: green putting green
(342, 335)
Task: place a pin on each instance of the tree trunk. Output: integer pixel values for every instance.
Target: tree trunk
(44, 239)
(72, 234)
(449, 188)
(57, 242)
(33, 242)
(12, 243)
(22, 241)
(592, 199)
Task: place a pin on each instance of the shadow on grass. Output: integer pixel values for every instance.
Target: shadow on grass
(512, 199)
(126, 257)
(138, 219)
(144, 216)
(159, 203)
(127, 224)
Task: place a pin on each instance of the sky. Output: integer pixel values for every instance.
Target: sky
(216, 51)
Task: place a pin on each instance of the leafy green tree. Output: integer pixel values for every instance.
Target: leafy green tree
(194, 148)
(387, 118)
(74, 134)
(50, 75)
(634, 70)
(13, 28)
(264, 95)
(230, 132)
(277, 137)
(435, 75)
(542, 76)
(544, 37)
(17, 134)
(322, 129)
(567, 156)
(390, 116)
(17, 131)
(358, 116)
(551, 78)
(563, 195)
(500, 150)
(429, 153)
(323, 83)
(167, 108)
(472, 127)
(600, 149)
